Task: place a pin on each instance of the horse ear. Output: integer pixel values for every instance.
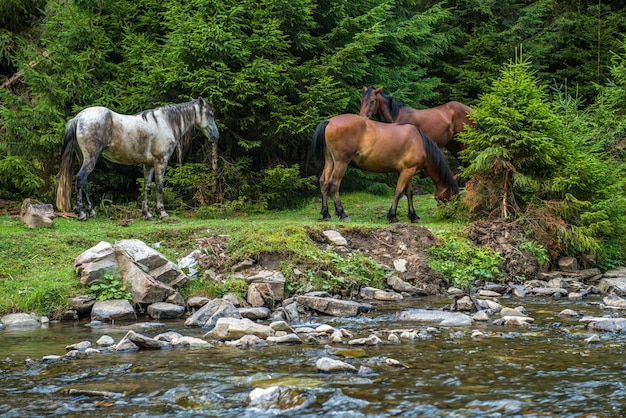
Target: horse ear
(364, 89)
(201, 100)
(378, 90)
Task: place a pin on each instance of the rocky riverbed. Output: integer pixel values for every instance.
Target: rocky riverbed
(362, 335)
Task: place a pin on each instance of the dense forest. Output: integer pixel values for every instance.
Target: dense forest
(546, 79)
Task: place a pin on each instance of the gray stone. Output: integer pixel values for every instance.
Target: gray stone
(328, 365)
(435, 317)
(614, 301)
(335, 237)
(399, 285)
(613, 284)
(334, 307)
(164, 310)
(19, 320)
(255, 313)
(209, 314)
(36, 215)
(113, 310)
(234, 328)
(144, 342)
(290, 338)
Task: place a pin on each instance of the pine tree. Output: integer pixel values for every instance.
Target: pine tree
(517, 146)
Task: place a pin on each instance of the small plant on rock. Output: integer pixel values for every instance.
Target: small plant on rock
(111, 287)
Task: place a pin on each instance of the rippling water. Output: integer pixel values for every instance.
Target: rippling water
(547, 370)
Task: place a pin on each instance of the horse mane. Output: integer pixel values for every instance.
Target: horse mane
(395, 105)
(174, 114)
(443, 168)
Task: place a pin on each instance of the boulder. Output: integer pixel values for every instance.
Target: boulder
(208, 315)
(435, 317)
(613, 284)
(164, 310)
(334, 307)
(36, 215)
(113, 310)
(234, 328)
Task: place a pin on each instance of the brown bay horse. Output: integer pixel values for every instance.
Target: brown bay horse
(439, 123)
(381, 148)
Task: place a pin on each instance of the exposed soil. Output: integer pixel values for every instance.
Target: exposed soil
(399, 241)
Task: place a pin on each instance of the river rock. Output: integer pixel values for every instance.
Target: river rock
(113, 310)
(82, 304)
(278, 400)
(197, 302)
(334, 307)
(290, 338)
(164, 310)
(614, 301)
(335, 238)
(260, 294)
(255, 313)
(371, 340)
(105, 341)
(568, 264)
(274, 279)
(613, 282)
(328, 365)
(151, 261)
(36, 215)
(281, 326)
(516, 321)
(234, 328)
(144, 342)
(435, 317)
(19, 320)
(96, 262)
(373, 293)
(399, 285)
(615, 325)
(209, 314)
(549, 291)
(511, 312)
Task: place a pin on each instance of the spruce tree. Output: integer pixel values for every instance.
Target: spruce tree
(516, 148)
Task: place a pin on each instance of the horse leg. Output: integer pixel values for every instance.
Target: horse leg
(335, 183)
(326, 173)
(409, 195)
(147, 185)
(82, 190)
(159, 176)
(403, 185)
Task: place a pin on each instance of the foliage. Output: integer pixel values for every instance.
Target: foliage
(192, 183)
(463, 263)
(517, 146)
(111, 287)
(281, 186)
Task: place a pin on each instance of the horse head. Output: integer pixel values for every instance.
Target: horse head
(369, 101)
(205, 120)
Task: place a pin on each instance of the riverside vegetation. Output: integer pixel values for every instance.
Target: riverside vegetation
(37, 273)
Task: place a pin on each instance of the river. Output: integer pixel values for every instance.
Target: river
(546, 370)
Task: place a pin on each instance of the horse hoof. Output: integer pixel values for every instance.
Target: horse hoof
(164, 215)
(92, 213)
(147, 216)
(82, 217)
(345, 219)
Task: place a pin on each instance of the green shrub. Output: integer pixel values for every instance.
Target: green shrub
(462, 262)
(111, 287)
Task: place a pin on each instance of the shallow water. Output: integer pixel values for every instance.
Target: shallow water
(547, 370)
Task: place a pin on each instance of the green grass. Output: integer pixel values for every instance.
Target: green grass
(37, 266)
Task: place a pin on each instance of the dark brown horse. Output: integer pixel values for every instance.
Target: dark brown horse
(439, 123)
(380, 148)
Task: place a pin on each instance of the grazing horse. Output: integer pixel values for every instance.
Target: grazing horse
(148, 138)
(439, 123)
(381, 148)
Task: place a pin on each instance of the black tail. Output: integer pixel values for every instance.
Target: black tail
(319, 140)
(439, 159)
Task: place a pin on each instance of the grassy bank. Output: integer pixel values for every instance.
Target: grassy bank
(36, 266)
